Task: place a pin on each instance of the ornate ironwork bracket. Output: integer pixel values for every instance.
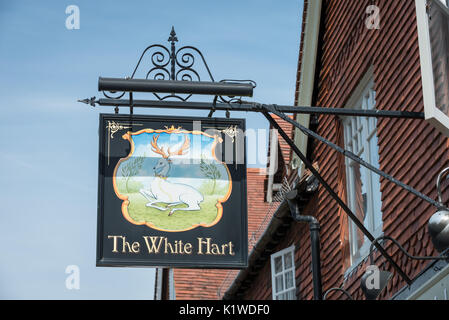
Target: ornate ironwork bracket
(168, 63)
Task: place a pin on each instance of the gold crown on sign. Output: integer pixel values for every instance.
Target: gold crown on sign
(172, 129)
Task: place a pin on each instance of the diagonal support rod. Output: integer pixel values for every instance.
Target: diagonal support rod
(353, 157)
(334, 195)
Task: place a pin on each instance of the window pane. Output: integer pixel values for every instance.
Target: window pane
(279, 283)
(375, 181)
(374, 151)
(278, 264)
(439, 43)
(289, 280)
(288, 260)
(348, 137)
(363, 197)
(360, 192)
(363, 186)
(291, 295)
(359, 204)
(283, 273)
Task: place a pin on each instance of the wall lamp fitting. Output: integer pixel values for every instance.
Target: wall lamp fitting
(438, 225)
(383, 277)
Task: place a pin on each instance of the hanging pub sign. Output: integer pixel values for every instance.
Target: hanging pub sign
(172, 192)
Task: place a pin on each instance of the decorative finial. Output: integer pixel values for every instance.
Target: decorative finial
(173, 37)
(90, 101)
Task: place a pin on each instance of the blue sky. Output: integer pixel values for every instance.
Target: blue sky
(49, 141)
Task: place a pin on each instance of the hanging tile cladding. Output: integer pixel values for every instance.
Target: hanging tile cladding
(410, 150)
(284, 148)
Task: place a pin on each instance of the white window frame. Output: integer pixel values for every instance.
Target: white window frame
(374, 222)
(283, 272)
(433, 115)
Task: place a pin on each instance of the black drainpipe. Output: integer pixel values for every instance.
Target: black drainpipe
(292, 199)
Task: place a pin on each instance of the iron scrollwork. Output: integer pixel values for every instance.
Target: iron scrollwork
(175, 65)
(167, 64)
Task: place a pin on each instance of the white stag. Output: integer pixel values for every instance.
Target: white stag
(163, 191)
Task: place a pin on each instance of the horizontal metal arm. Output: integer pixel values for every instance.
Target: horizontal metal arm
(256, 107)
(168, 86)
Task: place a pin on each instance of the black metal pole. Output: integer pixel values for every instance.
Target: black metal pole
(256, 107)
(170, 86)
(315, 228)
(316, 260)
(165, 292)
(334, 195)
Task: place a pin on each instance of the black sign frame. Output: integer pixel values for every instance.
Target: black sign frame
(121, 242)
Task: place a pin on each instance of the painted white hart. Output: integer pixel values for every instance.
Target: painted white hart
(166, 192)
(172, 179)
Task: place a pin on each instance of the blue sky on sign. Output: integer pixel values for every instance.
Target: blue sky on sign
(49, 141)
(183, 168)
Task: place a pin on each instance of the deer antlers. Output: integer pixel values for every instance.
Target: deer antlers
(155, 148)
(182, 151)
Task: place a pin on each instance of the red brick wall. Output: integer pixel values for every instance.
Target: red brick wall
(410, 150)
